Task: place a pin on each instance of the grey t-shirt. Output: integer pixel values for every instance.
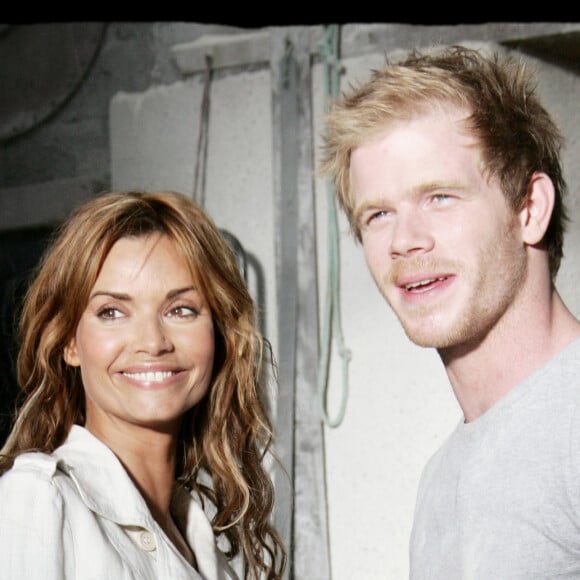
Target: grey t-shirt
(500, 500)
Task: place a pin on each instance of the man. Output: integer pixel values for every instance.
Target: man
(448, 169)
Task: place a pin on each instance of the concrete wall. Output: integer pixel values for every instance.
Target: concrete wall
(57, 81)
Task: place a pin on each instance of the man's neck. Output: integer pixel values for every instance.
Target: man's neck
(522, 342)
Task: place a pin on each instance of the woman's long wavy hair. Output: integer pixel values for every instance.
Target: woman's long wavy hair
(227, 436)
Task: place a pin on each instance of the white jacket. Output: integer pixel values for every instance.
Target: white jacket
(76, 514)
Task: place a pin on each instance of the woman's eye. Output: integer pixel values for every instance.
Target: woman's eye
(109, 313)
(183, 311)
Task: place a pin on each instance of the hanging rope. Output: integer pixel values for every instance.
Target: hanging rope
(331, 323)
(201, 168)
(201, 157)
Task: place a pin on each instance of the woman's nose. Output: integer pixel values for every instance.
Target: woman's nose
(152, 337)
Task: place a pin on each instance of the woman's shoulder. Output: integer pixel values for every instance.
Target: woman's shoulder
(28, 467)
(29, 489)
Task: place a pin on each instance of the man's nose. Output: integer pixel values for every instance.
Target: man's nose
(411, 233)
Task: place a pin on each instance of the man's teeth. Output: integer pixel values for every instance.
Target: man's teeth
(422, 283)
(150, 376)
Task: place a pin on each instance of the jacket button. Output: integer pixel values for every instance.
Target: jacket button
(147, 541)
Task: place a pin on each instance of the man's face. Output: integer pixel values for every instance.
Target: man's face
(439, 238)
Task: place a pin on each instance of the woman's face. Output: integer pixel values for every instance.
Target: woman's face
(145, 342)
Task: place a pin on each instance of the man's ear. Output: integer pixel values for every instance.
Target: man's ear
(537, 211)
(70, 354)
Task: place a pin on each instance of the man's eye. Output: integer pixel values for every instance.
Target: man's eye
(377, 215)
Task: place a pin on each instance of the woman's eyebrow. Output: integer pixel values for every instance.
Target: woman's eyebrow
(111, 294)
(124, 296)
(178, 291)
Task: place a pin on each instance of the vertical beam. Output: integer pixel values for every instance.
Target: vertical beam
(286, 218)
(301, 518)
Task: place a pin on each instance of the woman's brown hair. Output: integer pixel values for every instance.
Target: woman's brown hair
(226, 438)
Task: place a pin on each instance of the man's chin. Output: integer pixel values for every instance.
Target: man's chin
(429, 338)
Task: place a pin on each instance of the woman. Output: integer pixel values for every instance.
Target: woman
(140, 369)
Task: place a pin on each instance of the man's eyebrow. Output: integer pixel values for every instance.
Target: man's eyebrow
(435, 185)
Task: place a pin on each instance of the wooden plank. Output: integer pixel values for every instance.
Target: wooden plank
(300, 431)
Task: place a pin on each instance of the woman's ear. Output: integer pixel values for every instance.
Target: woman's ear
(70, 354)
(537, 211)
